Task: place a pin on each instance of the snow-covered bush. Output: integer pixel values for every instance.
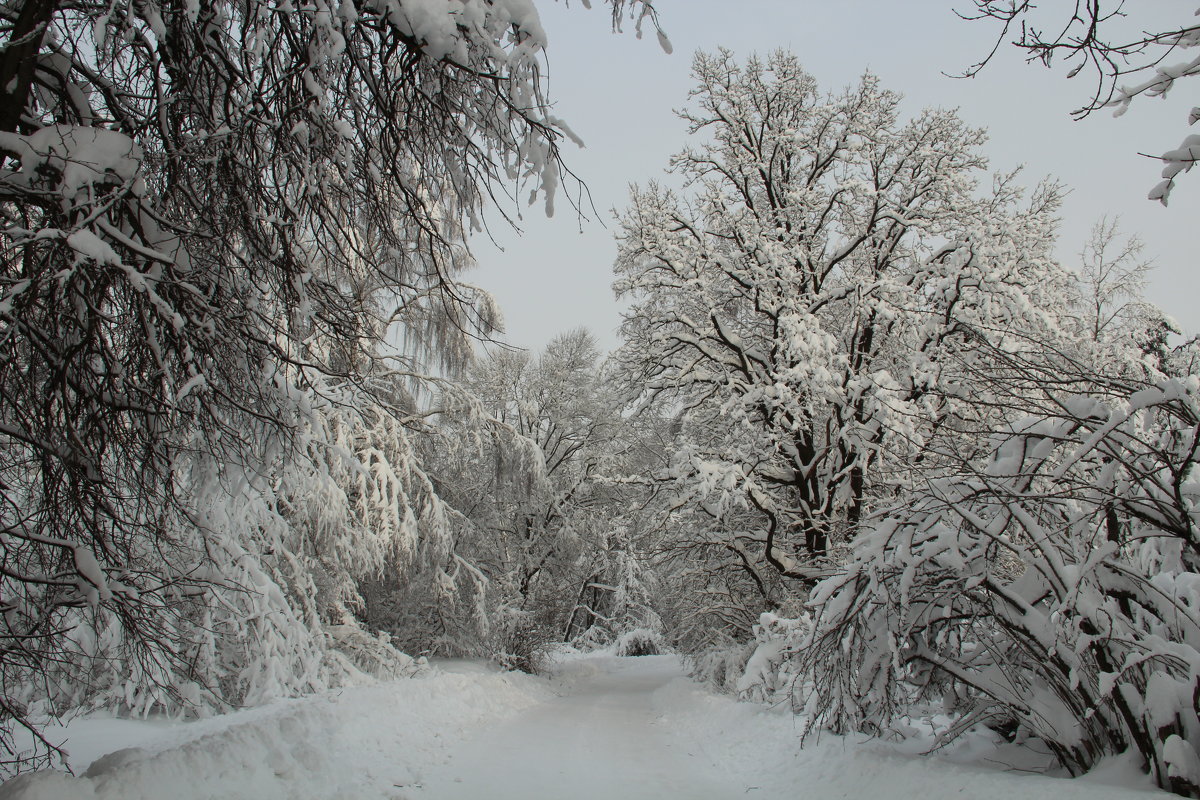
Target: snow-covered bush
(591, 640)
(721, 668)
(1050, 590)
(769, 671)
(259, 579)
(640, 642)
(518, 641)
(355, 650)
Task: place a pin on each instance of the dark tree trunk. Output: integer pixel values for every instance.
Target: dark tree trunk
(18, 60)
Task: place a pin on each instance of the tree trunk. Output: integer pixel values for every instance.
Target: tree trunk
(18, 60)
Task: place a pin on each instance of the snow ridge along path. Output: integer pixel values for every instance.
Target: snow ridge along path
(601, 727)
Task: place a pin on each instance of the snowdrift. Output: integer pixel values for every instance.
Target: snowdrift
(368, 741)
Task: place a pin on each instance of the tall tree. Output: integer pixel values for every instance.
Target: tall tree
(801, 310)
(1128, 334)
(1112, 276)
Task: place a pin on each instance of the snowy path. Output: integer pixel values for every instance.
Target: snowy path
(605, 739)
(603, 727)
(634, 728)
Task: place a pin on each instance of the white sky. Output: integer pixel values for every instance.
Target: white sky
(618, 92)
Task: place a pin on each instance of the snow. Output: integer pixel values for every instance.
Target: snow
(82, 155)
(353, 743)
(758, 749)
(89, 245)
(602, 727)
(605, 738)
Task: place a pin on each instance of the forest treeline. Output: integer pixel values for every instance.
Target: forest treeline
(866, 445)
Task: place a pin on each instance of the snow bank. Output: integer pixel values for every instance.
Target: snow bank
(759, 747)
(361, 742)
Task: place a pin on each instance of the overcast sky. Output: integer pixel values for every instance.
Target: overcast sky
(618, 93)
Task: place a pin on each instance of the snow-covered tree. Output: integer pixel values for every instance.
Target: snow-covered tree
(1112, 276)
(802, 309)
(1123, 331)
(211, 215)
(1111, 43)
(537, 516)
(543, 553)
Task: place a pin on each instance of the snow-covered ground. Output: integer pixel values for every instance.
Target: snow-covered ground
(364, 742)
(603, 727)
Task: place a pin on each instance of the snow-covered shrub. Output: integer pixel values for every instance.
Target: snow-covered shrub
(253, 580)
(640, 642)
(768, 672)
(763, 670)
(356, 650)
(591, 639)
(721, 668)
(1052, 590)
(519, 639)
